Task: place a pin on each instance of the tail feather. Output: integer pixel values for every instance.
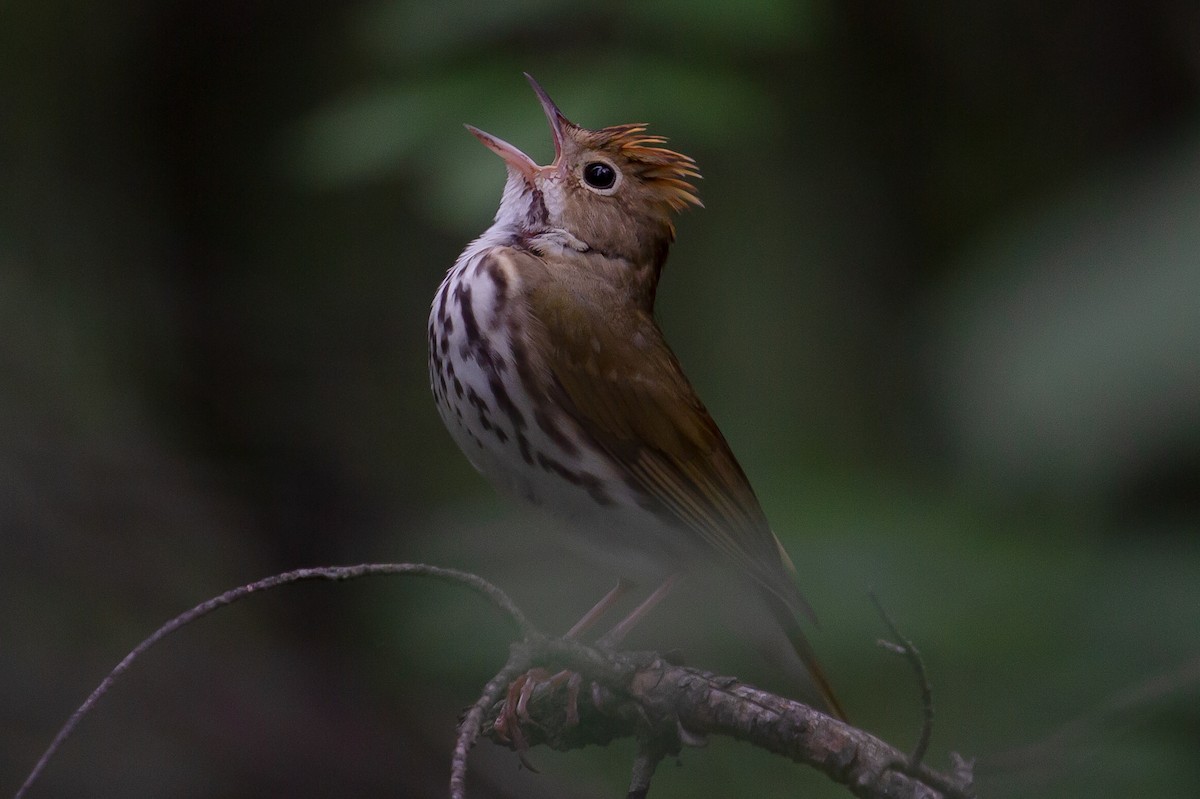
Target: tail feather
(786, 618)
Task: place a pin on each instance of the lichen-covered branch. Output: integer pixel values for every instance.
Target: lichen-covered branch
(641, 695)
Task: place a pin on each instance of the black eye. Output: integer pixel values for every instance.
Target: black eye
(599, 175)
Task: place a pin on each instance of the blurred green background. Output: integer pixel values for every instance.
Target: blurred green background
(944, 300)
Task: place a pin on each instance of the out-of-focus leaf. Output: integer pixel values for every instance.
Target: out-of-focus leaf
(418, 31)
(413, 33)
(1068, 347)
(742, 25)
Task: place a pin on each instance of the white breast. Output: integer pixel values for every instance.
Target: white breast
(508, 431)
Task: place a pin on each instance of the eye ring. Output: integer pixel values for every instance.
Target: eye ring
(600, 176)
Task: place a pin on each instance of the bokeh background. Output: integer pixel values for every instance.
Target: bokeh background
(944, 299)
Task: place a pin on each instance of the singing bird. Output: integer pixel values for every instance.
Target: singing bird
(552, 375)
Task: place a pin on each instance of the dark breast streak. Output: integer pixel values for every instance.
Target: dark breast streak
(509, 389)
(477, 346)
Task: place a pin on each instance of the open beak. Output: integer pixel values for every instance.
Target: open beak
(516, 160)
(513, 157)
(558, 122)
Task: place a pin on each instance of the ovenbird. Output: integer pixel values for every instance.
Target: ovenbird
(553, 377)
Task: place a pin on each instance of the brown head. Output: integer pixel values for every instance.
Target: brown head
(614, 189)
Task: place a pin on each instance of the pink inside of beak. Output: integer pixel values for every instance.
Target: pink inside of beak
(515, 159)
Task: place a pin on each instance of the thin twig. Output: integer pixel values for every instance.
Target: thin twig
(468, 729)
(493, 594)
(909, 651)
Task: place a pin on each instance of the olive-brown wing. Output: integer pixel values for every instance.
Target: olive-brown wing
(614, 375)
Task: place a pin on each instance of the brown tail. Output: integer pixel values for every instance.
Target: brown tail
(791, 627)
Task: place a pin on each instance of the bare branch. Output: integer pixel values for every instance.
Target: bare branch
(636, 694)
(651, 750)
(628, 694)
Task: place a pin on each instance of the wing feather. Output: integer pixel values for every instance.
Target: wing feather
(614, 375)
(607, 365)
